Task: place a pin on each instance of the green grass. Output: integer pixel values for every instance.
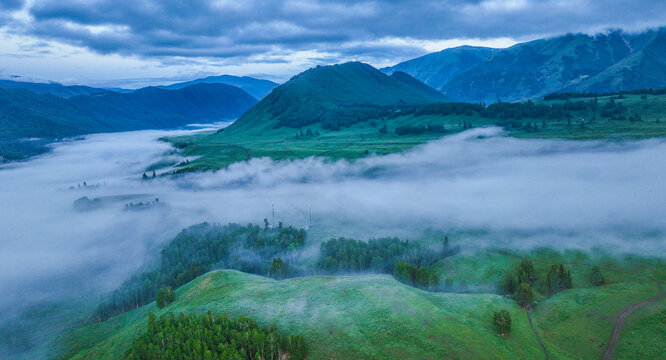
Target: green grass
(260, 139)
(644, 333)
(374, 316)
(576, 323)
(342, 317)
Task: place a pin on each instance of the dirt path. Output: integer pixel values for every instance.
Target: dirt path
(534, 330)
(610, 348)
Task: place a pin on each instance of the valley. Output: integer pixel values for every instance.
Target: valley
(261, 181)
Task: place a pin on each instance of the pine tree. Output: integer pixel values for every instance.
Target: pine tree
(596, 278)
(524, 294)
(502, 322)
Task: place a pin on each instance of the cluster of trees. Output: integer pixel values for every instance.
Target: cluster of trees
(521, 281)
(165, 296)
(213, 337)
(572, 95)
(343, 255)
(614, 110)
(502, 322)
(417, 276)
(557, 278)
(531, 110)
(195, 251)
(419, 129)
(308, 133)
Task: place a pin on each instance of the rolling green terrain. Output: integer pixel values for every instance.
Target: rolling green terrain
(374, 316)
(264, 137)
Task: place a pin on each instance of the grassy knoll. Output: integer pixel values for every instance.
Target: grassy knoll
(341, 317)
(644, 333)
(575, 323)
(260, 138)
(374, 316)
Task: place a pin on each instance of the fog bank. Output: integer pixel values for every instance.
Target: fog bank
(521, 193)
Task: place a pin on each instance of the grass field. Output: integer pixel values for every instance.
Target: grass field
(342, 317)
(374, 316)
(261, 139)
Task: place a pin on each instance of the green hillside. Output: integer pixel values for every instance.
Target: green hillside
(633, 116)
(25, 114)
(436, 69)
(374, 316)
(341, 317)
(334, 96)
(601, 63)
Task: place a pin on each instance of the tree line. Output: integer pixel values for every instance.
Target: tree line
(213, 337)
(196, 250)
(344, 255)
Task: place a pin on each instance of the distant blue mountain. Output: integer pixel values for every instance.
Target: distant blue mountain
(438, 68)
(26, 114)
(52, 88)
(258, 88)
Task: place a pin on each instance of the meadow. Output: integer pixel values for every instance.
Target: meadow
(262, 139)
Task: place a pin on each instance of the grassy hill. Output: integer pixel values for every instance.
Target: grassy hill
(602, 63)
(436, 69)
(342, 317)
(241, 142)
(25, 114)
(374, 316)
(258, 88)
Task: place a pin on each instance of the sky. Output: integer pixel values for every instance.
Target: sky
(122, 43)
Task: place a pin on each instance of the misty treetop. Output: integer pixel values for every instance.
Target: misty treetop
(213, 337)
(196, 250)
(417, 276)
(343, 255)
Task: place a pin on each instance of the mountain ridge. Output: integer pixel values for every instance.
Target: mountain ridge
(258, 88)
(336, 96)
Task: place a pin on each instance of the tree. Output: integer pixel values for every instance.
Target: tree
(165, 296)
(596, 278)
(524, 294)
(383, 129)
(502, 322)
(278, 269)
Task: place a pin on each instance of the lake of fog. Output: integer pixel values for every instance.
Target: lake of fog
(518, 193)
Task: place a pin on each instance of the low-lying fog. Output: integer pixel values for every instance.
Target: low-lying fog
(523, 192)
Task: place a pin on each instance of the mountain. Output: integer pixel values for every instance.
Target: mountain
(574, 62)
(25, 114)
(258, 88)
(52, 88)
(438, 68)
(644, 68)
(336, 96)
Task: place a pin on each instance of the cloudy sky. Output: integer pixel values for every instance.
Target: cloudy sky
(141, 42)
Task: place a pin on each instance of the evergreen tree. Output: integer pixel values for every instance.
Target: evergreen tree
(502, 322)
(524, 294)
(596, 278)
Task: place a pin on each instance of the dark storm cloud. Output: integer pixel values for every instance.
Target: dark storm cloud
(229, 29)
